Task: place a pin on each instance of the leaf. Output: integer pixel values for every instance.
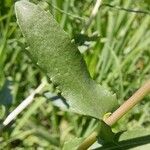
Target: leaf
(105, 133)
(52, 50)
(139, 132)
(136, 139)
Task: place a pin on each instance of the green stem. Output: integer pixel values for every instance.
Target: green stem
(88, 141)
(120, 112)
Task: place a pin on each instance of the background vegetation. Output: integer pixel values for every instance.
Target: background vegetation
(116, 48)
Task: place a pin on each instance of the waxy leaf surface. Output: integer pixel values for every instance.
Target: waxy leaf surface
(52, 50)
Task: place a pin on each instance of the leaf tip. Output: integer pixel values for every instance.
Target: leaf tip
(23, 8)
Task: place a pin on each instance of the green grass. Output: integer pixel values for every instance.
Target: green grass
(119, 59)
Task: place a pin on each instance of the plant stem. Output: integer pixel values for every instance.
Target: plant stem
(88, 141)
(92, 16)
(129, 104)
(120, 112)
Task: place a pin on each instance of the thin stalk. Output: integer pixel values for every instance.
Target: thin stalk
(129, 104)
(120, 112)
(92, 16)
(88, 141)
(25, 103)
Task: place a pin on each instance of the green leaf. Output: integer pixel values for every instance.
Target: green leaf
(136, 139)
(139, 132)
(105, 133)
(52, 50)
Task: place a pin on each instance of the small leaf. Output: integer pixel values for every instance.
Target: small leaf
(52, 50)
(105, 133)
(136, 139)
(136, 133)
